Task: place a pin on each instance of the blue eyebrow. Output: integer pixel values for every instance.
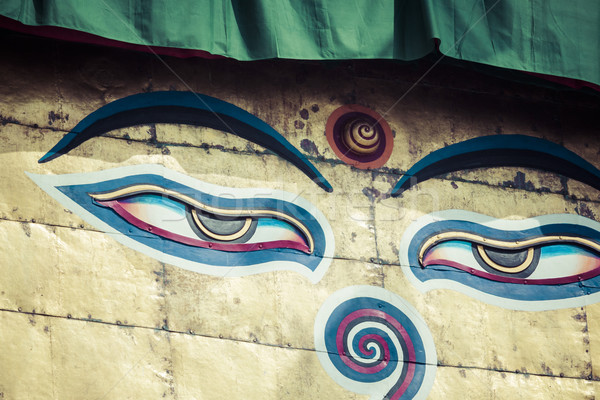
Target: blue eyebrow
(184, 108)
(500, 151)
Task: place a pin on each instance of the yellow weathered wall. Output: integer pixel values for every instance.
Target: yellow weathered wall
(82, 316)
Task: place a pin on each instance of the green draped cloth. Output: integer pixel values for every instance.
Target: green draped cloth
(553, 37)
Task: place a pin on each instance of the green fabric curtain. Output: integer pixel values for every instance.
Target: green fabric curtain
(554, 37)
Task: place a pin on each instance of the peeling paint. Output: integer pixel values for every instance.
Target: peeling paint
(371, 193)
(520, 183)
(7, 120)
(584, 210)
(26, 228)
(310, 147)
(57, 116)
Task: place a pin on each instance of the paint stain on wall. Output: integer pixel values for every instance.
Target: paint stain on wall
(7, 120)
(519, 182)
(58, 116)
(309, 146)
(583, 210)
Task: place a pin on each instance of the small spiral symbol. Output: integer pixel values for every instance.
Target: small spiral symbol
(362, 136)
(372, 342)
(359, 136)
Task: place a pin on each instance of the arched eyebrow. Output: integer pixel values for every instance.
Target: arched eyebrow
(184, 108)
(500, 151)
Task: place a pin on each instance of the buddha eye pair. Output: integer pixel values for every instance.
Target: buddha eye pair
(219, 230)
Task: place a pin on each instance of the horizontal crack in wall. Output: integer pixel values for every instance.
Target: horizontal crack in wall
(256, 342)
(383, 171)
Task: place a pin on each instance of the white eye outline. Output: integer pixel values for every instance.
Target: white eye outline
(587, 297)
(49, 184)
(112, 199)
(543, 268)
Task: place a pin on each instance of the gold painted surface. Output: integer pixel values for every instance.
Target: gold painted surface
(275, 308)
(198, 136)
(591, 317)
(475, 384)
(84, 274)
(207, 368)
(30, 262)
(471, 333)
(58, 358)
(519, 178)
(26, 357)
(98, 361)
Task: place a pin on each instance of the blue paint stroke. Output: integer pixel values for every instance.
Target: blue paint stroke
(503, 290)
(500, 151)
(185, 108)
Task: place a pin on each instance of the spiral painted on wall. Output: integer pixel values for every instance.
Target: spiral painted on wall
(371, 341)
(359, 136)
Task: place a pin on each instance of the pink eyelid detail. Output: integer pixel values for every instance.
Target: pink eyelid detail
(550, 281)
(232, 247)
(154, 189)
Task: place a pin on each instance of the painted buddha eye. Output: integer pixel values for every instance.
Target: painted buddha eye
(536, 261)
(540, 263)
(199, 226)
(181, 218)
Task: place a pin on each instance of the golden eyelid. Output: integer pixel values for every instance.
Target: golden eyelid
(140, 189)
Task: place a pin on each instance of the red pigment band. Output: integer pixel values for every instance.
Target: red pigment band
(506, 279)
(371, 370)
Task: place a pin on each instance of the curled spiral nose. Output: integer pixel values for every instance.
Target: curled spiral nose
(371, 341)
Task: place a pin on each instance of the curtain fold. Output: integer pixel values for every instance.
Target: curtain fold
(548, 37)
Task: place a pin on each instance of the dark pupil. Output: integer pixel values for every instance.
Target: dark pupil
(506, 258)
(219, 224)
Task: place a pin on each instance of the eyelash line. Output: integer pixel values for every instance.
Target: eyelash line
(148, 188)
(513, 245)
